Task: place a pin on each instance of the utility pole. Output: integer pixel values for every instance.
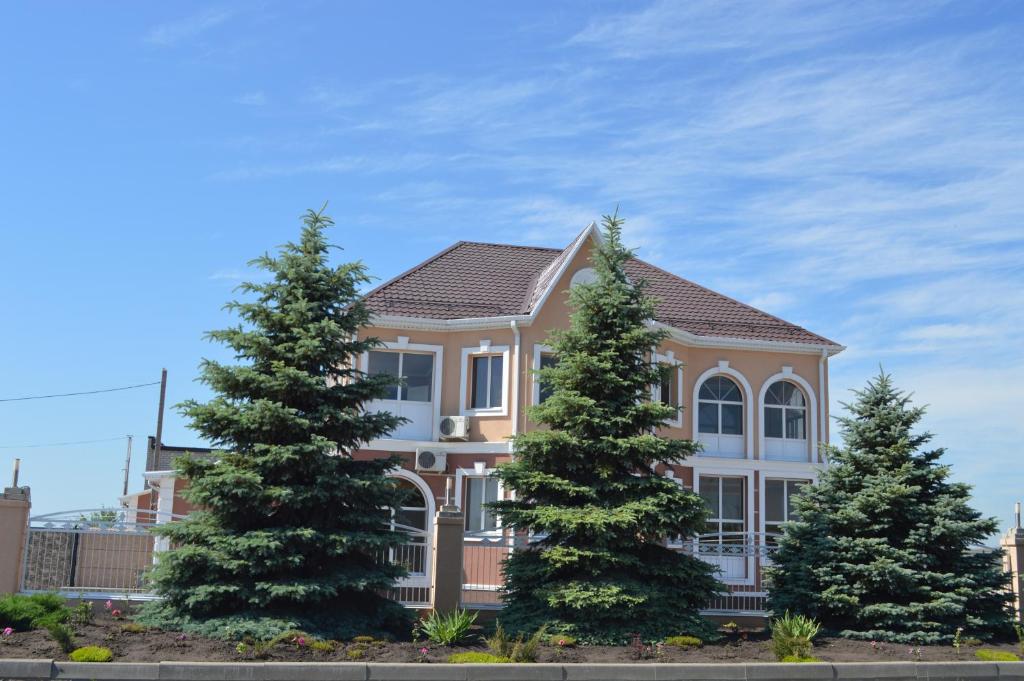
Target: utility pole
(127, 465)
(160, 418)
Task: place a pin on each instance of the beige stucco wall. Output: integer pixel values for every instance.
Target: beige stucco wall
(14, 511)
(757, 366)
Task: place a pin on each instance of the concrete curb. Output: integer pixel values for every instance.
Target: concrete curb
(38, 670)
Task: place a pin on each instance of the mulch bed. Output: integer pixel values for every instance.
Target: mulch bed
(157, 646)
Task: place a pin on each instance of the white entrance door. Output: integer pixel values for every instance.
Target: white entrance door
(414, 400)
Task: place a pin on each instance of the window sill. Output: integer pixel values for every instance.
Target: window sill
(500, 411)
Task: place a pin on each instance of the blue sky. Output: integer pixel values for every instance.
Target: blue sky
(853, 167)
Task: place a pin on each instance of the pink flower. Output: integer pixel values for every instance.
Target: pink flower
(115, 613)
(8, 632)
(424, 651)
(108, 605)
(300, 641)
(561, 641)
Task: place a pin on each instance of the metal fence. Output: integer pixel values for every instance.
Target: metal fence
(106, 553)
(739, 556)
(93, 553)
(483, 558)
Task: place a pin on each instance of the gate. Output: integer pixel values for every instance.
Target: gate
(92, 553)
(414, 590)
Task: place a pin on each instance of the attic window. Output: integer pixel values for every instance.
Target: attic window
(587, 275)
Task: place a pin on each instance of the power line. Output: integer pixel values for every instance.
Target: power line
(85, 392)
(81, 441)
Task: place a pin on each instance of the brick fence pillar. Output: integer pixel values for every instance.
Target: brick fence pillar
(14, 511)
(1013, 562)
(446, 594)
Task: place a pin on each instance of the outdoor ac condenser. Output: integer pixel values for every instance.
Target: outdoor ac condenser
(431, 460)
(455, 428)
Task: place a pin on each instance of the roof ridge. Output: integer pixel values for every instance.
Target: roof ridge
(492, 243)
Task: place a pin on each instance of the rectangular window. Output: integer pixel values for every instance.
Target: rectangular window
(778, 504)
(772, 422)
(795, 424)
(732, 419)
(546, 361)
(726, 500)
(487, 382)
(416, 371)
(385, 363)
(480, 491)
(707, 417)
(668, 388)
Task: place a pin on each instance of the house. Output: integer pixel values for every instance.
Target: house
(466, 328)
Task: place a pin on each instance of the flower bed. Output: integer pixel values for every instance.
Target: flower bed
(133, 644)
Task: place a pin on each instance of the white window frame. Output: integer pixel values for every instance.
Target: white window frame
(669, 358)
(539, 350)
(478, 471)
(403, 344)
(428, 560)
(748, 507)
(466, 375)
(724, 369)
(787, 374)
(811, 478)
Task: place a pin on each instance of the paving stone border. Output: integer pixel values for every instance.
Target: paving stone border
(37, 670)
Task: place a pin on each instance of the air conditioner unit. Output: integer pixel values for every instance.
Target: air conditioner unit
(455, 428)
(431, 460)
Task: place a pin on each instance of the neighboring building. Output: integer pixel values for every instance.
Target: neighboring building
(162, 487)
(466, 328)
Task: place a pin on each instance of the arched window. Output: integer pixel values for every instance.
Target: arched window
(785, 412)
(785, 421)
(720, 417)
(413, 514)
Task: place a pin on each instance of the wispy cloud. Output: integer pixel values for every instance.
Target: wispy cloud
(734, 26)
(254, 98)
(173, 32)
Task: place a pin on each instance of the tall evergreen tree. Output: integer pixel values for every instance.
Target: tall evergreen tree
(291, 531)
(585, 483)
(886, 547)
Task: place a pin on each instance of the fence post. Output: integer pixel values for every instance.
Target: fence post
(1013, 562)
(15, 504)
(446, 594)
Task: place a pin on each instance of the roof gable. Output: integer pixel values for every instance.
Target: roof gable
(472, 280)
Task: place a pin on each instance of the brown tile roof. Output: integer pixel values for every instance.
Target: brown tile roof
(470, 279)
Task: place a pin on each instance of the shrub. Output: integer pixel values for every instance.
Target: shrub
(355, 653)
(63, 635)
(38, 611)
(684, 641)
(447, 629)
(81, 614)
(792, 636)
(990, 655)
(321, 646)
(363, 639)
(132, 628)
(91, 654)
(476, 658)
(797, 658)
(517, 649)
